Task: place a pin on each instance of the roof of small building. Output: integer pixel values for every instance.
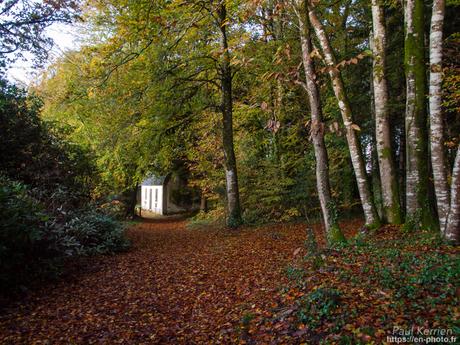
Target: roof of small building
(153, 180)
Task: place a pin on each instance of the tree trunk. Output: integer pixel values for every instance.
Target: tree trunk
(374, 161)
(401, 161)
(452, 233)
(203, 204)
(418, 206)
(317, 134)
(388, 179)
(438, 159)
(130, 198)
(448, 210)
(370, 212)
(233, 197)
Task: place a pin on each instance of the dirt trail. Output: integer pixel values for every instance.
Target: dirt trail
(176, 286)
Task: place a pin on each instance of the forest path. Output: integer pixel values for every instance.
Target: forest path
(175, 286)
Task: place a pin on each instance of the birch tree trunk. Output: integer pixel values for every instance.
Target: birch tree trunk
(452, 232)
(418, 205)
(438, 159)
(388, 179)
(317, 134)
(233, 197)
(376, 186)
(370, 213)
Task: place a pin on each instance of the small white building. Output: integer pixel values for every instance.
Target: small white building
(164, 195)
(154, 194)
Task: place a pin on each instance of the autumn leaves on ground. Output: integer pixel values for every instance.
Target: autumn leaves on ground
(251, 286)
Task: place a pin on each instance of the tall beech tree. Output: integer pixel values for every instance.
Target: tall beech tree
(231, 176)
(354, 146)
(317, 127)
(447, 200)
(418, 206)
(388, 176)
(438, 159)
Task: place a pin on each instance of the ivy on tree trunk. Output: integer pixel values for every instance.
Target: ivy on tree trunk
(418, 205)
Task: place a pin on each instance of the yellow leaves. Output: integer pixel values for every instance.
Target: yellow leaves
(240, 61)
(352, 61)
(91, 93)
(315, 54)
(270, 75)
(143, 123)
(96, 62)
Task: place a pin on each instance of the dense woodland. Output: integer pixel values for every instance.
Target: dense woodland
(273, 111)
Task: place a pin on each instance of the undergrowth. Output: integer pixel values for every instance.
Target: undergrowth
(356, 292)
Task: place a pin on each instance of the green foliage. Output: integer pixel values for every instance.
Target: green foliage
(295, 273)
(33, 243)
(311, 245)
(319, 306)
(24, 234)
(233, 221)
(37, 153)
(381, 277)
(95, 233)
(412, 276)
(334, 235)
(144, 94)
(247, 318)
(214, 217)
(45, 181)
(125, 110)
(416, 280)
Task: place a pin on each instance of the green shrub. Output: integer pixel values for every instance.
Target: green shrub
(96, 233)
(295, 273)
(34, 244)
(319, 306)
(24, 241)
(214, 217)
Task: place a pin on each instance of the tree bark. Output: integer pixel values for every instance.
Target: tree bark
(370, 212)
(233, 197)
(438, 157)
(317, 134)
(418, 205)
(129, 197)
(452, 232)
(203, 204)
(388, 178)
